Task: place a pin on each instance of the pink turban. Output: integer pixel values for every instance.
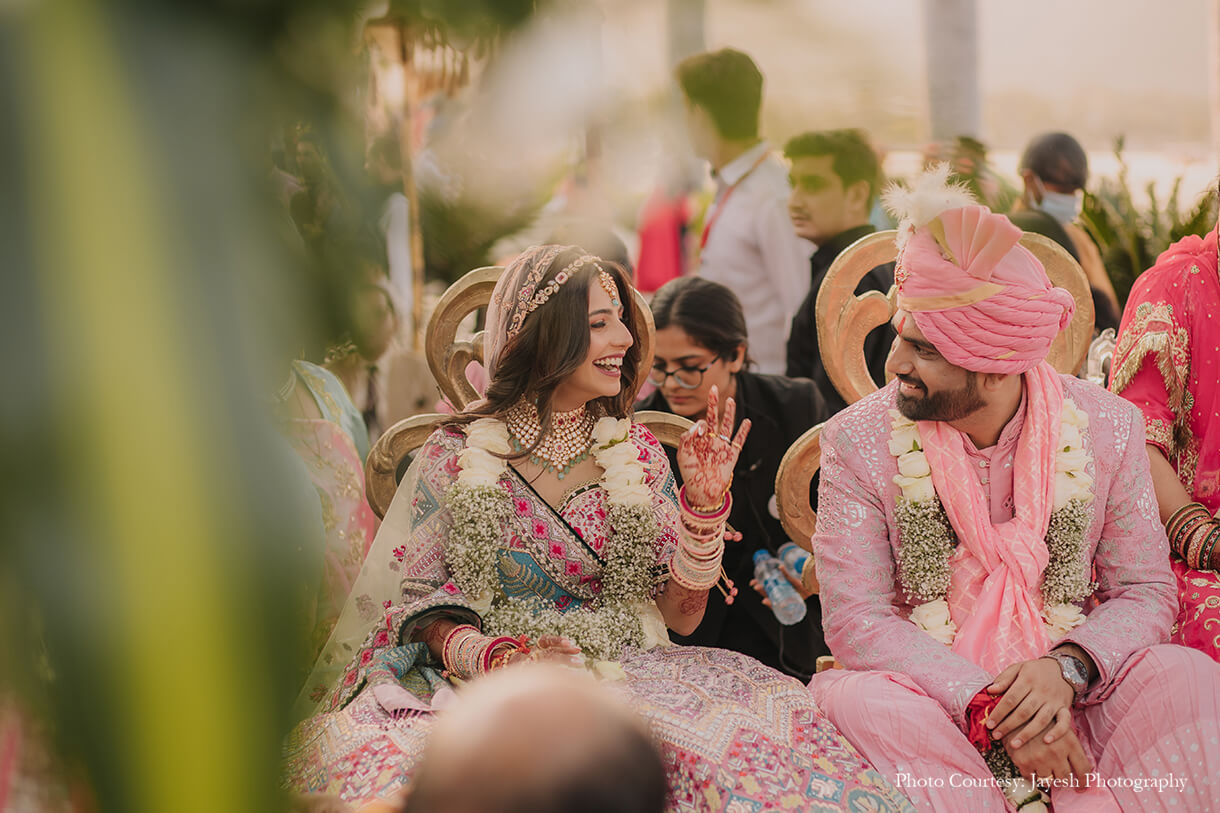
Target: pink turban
(983, 301)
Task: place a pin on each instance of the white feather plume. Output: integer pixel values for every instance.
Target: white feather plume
(928, 195)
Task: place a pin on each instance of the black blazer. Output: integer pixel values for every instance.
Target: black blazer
(780, 409)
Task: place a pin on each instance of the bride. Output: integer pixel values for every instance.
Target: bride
(542, 524)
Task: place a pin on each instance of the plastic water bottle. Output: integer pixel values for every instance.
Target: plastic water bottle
(794, 558)
(785, 603)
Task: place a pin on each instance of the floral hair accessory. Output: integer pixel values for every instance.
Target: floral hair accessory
(529, 304)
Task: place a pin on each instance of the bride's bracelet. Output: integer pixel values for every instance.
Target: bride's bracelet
(696, 573)
(462, 651)
(704, 527)
(720, 511)
(499, 650)
(468, 653)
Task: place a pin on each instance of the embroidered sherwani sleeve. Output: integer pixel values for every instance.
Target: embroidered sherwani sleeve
(855, 566)
(1131, 564)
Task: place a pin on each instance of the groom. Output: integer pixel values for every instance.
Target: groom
(994, 574)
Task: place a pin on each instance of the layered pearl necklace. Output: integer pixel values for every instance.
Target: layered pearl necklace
(566, 444)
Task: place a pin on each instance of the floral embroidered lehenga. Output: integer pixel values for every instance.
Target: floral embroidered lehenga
(736, 735)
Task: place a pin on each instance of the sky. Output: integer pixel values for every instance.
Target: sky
(1092, 67)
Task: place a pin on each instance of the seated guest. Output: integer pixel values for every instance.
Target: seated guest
(1055, 169)
(583, 749)
(701, 343)
(1166, 363)
(374, 321)
(993, 571)
(328, 433)
(1105, 311)
(835, 176)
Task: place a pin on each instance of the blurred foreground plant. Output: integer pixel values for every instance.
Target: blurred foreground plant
(152, 294)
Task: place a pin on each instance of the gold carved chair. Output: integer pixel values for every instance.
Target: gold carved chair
(447, 359)
(843, 322)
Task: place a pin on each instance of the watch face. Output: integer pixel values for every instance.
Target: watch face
(1074, 671)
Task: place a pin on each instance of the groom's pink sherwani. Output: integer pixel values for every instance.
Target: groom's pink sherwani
(1153, 711)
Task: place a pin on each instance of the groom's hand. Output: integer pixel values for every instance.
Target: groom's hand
(1061, 759)
(1034, 693)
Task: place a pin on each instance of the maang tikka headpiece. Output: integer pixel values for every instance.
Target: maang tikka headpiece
(530, 298)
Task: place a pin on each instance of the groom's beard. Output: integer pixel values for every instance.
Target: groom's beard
(945, 405)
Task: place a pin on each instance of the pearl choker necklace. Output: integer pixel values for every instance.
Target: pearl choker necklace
(568, 442)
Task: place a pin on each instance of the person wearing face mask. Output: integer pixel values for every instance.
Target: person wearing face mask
(702, 347)
(1054, 169)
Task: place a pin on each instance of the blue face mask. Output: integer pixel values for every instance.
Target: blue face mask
(1063, 207)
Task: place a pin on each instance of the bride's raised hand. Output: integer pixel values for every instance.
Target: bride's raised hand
(707, 455)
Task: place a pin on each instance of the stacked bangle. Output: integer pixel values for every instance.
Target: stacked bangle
(461, 651)
(697, 562)
(1206, 558)
(505, 644)
(1189, 530)
(467, 653)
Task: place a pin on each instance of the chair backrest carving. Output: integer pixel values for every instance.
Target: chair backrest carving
(796, 471)
(1101, 354)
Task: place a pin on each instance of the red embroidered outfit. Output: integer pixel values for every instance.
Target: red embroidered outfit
(1167, 363)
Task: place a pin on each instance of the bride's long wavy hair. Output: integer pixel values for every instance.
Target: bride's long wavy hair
(553, 342)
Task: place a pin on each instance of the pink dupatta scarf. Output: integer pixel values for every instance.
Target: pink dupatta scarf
(995, 592)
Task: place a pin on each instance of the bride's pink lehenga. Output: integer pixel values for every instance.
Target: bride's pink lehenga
(736, 735)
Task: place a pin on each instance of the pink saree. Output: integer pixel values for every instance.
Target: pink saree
(1167, 363)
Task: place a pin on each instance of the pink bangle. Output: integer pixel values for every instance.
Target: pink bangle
(721, 511)
(449, 638)
(494, 644)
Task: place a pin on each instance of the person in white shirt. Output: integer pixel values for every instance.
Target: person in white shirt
(747, 242)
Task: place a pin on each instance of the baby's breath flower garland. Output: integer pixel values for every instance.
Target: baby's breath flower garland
(928, 540)
(479, 505)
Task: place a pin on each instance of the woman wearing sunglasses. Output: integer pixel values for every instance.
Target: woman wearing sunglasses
(701, 343)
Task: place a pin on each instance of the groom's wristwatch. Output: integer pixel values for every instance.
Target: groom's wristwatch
(1073, 669)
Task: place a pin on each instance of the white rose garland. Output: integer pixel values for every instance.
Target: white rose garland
(928, 540)
(479, 505)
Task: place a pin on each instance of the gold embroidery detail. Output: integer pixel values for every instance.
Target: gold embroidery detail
(1154, 331)
(1159, 432)
(1188, 459)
